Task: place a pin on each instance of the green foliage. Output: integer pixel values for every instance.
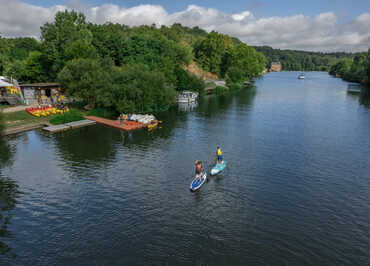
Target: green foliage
(103, 112)
(196, 84)
(80, 49)
(293, 60)
(220, 90)
(217, 53)
(33, 70)
(58, 38)
(70, 116)
(234, 75)
(15, 69)
(235, 86)
(210, 52)
(356, 70)
(367, 66)
(136, 88)
(85, 79)
(186, 81)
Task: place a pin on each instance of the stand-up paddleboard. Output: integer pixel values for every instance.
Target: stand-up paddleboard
(198, 182)
(218, 168)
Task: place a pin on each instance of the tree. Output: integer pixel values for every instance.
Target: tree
(210, 51)
(80, 49)
(33, 70)
(234, 75)
(86, 79)
(137, 89)
(68, 27)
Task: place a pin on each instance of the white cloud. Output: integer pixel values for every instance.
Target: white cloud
(320, 33)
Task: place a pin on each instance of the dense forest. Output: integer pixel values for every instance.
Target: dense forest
(348, 66)
(293, 60)
(128, 69)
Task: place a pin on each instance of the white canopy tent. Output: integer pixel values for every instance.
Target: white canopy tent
(5, 84)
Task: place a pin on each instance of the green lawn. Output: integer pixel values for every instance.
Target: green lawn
(3, 106)
(21, 118)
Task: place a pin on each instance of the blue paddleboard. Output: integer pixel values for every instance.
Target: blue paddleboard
(198, 182)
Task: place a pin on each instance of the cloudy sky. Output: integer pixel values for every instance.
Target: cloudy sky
(315, 25)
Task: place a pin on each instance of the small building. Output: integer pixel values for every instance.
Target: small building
(41, 93)
(275, 67)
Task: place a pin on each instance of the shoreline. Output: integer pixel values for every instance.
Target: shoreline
(23, 128)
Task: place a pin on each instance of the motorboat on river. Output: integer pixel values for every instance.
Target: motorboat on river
(187, 97)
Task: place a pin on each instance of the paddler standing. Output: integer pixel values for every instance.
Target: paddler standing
(219, 155)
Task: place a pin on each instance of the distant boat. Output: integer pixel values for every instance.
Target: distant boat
(301, 76)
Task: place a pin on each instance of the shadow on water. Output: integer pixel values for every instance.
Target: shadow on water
(89, 144)
(99, 144)
(213, 105)
(365, 97)
(8, 198)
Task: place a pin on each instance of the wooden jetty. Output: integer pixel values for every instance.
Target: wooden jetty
(124, 125)
(63, 127)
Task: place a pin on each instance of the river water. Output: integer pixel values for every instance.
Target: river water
(295, 191)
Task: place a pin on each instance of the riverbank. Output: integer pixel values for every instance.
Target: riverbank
(17, 119)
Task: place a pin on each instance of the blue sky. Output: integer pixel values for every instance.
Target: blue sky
(345, 9)
(313, 25)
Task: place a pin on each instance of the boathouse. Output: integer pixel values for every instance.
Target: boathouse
(41, 93)
(275, 67)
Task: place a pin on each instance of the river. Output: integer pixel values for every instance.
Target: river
(295, 191)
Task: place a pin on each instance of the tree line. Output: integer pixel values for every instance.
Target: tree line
(353, 70)
(352, 67)
(127, 69)
(293, 60)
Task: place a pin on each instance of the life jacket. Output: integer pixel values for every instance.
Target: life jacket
(199, 167)
(219, 152)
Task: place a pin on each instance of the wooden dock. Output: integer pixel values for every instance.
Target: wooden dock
(63, 127)
(125, 125)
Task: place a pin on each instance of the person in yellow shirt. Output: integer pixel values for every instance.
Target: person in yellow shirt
(219, 155)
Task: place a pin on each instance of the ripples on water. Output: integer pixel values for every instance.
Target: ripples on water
(295, 190)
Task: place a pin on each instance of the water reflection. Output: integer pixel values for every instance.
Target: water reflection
(212, 105)
(365, 97)
(89, 144)
(8, 194)
(187, 107)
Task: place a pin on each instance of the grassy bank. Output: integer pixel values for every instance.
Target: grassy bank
(14, 120)
(71, 116)
(21, 118)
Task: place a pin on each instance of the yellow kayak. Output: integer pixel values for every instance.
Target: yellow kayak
(152, 125)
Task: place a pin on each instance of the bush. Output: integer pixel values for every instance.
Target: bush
(196, 84)
(235, 86)
(71, 116)
(219, 90)
(102, 112)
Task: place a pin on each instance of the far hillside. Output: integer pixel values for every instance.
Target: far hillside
(293, 60)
